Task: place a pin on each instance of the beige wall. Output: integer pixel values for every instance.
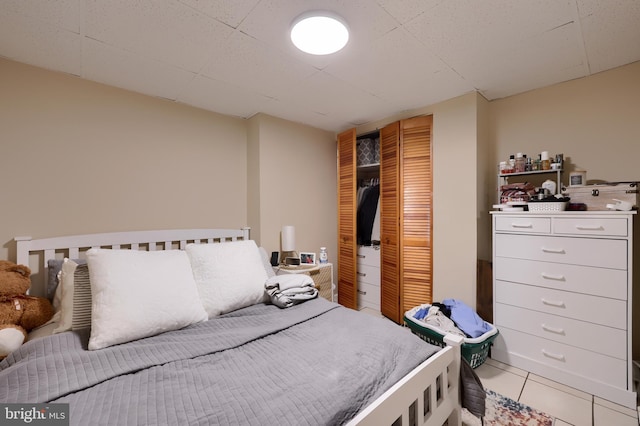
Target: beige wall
(297, 175)
(593, 121)
(81, 157)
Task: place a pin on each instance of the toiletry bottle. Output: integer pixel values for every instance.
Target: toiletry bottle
(546, 163)
(323, 255)
(519, 166)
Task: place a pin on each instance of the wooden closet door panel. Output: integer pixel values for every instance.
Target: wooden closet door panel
(347, 249)
(389, 224)
(415, 212)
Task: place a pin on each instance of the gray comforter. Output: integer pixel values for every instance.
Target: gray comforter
(316, 363)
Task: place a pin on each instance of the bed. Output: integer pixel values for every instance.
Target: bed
(314, 363)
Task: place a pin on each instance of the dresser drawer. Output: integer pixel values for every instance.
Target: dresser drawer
(606, 253)
(590, 365)
(615, 227)
(576, 278)
(369, 255)
(534, 225)
(596, 338)
(368, 296)
(369, 274)
(599, 310)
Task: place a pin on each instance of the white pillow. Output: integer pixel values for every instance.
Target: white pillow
(139, 293)
(229, 275)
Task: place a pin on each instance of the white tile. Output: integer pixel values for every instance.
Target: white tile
(507, 367)
(613, 406)
(561, 405)
(561, 387)
(604, 416)
(501, 381)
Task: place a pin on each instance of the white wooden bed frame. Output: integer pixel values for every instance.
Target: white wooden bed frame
(428, 396)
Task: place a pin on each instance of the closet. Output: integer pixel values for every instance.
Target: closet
(405, 197)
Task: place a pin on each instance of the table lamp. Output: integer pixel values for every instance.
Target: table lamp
(289, 256)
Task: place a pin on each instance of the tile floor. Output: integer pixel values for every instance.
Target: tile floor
(569, 406)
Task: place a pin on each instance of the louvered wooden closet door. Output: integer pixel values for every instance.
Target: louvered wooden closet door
(416, 185)
(389, 222)
(347, 284)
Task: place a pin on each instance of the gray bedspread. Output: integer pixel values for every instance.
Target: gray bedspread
(316, 363)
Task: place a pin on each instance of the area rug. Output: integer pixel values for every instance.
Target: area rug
(503, 411)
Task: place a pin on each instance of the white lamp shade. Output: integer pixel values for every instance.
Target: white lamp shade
(288, 238)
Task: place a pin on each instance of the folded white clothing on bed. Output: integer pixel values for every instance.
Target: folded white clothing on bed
(288, 290)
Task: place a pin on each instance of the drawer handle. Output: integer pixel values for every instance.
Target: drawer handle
(552, 329)
(361, 256)
(522, 225)
(364, 293)
(557, 304)
(559, 357)
(553, 277)
(589, 228)
(548, 250)
(362, 274)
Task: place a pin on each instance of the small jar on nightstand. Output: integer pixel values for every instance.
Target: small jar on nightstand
(323, 255)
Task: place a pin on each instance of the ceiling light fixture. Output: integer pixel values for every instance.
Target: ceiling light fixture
(319, 33)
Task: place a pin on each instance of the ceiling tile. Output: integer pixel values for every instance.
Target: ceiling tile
(229, 12)
(249, 63)
(214, 95)
(29, 40)
(406, 10)
(611, 32)
(56, 13)
(108, 65)
(388, 72)
(458, 27)
(164, 30)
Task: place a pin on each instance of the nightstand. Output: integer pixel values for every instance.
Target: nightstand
(322, 275)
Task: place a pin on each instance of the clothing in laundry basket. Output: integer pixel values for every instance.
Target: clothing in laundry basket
(439, 320)
(466, 318)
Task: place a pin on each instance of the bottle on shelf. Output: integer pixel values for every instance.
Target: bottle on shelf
(546, 162)
(537, 164)
(519, 163)
(512, 163)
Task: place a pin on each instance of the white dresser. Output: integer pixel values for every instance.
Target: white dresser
(562, 291)
(369, 277)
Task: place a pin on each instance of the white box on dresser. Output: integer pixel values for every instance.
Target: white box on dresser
(563, 298)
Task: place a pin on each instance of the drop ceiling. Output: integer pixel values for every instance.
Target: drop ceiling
(234, 57)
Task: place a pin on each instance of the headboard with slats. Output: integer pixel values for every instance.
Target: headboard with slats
(36, 253)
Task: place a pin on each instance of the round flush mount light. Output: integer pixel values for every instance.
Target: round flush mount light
(319, 33)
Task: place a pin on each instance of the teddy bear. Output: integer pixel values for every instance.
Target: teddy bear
(19, 313)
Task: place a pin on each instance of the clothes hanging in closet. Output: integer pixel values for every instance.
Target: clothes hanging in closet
(368, 203)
